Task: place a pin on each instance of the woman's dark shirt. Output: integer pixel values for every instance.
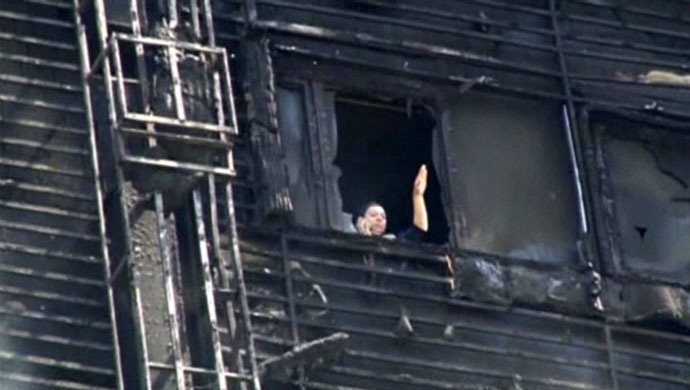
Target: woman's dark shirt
(412, 234)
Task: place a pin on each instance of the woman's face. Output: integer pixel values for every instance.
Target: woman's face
(376, 217)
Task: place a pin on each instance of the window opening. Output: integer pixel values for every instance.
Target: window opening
(649, 178)
(381, 146)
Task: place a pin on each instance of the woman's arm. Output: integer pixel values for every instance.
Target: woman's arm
(420, 217)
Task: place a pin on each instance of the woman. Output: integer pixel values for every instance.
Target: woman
(372, 222)
(372, 219)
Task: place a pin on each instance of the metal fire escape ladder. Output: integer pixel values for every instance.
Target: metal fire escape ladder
(136, 129)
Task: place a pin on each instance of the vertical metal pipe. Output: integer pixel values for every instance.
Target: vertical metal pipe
(236, 359)
(250, 9)
(611, 360)
(86, 93)
(141, 69)
(208, 16)
(177, 83)
(239, 274)
(173, 322)
(213, 210)
(236, 362)
(196, 26)
(584, 228)
(208, 290)
(290, 293)
(231, 99)
(119, 75)
(220, 107)
(101, 25)
(232, 322)
(570, 123)
(102, 28)
(134, 17)
(172, 13)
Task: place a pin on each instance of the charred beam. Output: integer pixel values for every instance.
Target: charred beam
(270, 171)
(311, 354)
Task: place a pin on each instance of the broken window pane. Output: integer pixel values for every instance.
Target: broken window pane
(649, 177)
(511, 178)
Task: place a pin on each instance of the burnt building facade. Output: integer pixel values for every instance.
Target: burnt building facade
(179, 179)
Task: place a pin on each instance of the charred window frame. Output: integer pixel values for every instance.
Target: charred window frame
(313, 101)
(297, 61)
(316, 121)
(636, 204)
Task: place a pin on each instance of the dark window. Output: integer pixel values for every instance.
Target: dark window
(381, 145)
(511, 177)
(649, 175)
(343, 152)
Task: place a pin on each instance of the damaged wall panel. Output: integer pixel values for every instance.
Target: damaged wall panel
(487, 280)
(510, 177)
(269, 169)
(440, 64)
(609, 44)
(438, 23)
